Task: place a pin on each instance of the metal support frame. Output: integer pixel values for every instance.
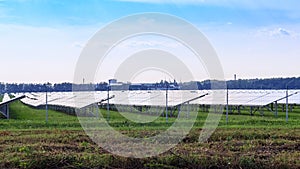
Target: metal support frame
(270, 109)
(276, 109)
(254, 109)
(261, 111)
(276, 105)
(46, 107)
(179, 110)
(227, 102)
(167, 104)
(188, 102)
(287, 106)
(4, 106)
(107, 105)
(7, 111)
(188, 110)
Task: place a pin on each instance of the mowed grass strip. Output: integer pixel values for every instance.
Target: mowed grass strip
(227, 148)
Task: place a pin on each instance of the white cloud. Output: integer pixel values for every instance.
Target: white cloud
(280, 32)
(277, 32)
(77, 44)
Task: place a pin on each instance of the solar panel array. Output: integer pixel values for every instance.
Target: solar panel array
(153, 97)
(5, 98)
(248, 97)
(293, 99)
(158, 97)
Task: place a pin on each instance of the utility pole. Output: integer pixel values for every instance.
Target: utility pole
(46, 105)
(227, 106)
(107, 106)
(287, 101)
(287, 105)
(167, 103)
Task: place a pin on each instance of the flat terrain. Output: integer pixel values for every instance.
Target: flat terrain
(259, 141)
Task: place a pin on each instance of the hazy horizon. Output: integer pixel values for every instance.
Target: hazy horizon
(136, 82)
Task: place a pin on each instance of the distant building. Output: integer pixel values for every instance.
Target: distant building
(163, 85)
(112, 81)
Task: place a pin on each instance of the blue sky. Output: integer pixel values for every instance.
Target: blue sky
(41, 40)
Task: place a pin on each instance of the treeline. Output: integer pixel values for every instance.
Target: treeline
(274, 83)
(60, 87)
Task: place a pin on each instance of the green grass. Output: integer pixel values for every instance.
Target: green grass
(24, 117)
(27, 141)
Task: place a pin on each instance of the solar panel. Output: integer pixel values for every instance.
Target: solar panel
(158, 97)
(5, 98)
(293, 99)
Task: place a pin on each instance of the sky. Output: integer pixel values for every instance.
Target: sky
(41, 40)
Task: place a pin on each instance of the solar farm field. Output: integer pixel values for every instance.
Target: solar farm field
(262, 140)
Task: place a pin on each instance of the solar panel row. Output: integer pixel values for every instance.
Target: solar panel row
(158, 98)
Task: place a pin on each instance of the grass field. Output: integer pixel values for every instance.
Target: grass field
(27, 141)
